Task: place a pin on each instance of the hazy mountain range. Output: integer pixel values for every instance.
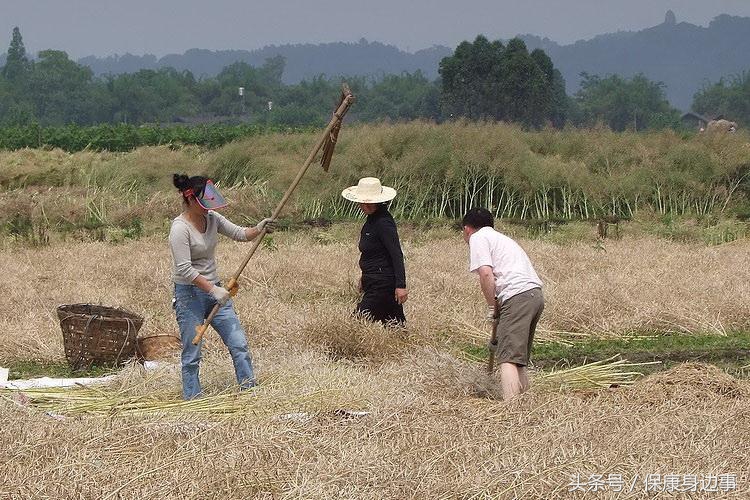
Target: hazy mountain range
(683, 56)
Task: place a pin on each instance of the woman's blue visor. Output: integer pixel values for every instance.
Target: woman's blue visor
(211, 199)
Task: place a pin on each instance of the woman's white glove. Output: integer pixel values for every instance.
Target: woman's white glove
(267, 223)
(221, 295)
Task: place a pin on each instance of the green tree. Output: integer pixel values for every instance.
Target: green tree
(59, 89)
(487, 80)
(624, 104)
(305, 103)
(556, 102)
(730, 98)
(154, 96)
(16, 64)
(525, 87)
(15, 109)
(470, 80)
(408, 96)
(260, 86)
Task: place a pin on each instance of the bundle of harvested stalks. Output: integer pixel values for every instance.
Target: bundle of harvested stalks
(90, 401)
(610, 372)
(289, 382)
(479, 336)
(445, 374)
(342, 336)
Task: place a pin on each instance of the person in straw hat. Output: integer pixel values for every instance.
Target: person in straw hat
(192, 239)
(383, 280)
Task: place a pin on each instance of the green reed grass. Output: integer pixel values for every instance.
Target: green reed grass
(440, 171)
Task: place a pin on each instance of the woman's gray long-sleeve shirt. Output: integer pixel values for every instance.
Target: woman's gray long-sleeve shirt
(193, 252)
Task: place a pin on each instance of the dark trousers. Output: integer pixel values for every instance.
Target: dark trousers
(379, 301)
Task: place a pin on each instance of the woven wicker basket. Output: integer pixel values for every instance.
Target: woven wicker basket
(98, 335)
(156, 347)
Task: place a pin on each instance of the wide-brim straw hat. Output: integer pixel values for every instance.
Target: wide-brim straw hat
(369, 190)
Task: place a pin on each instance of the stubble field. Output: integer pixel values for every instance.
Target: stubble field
(435, 426)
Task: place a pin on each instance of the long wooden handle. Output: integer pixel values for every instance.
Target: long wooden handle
(337, 117)
(493, 339)
(200, 330)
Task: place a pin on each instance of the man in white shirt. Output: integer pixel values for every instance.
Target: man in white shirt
(512, 288)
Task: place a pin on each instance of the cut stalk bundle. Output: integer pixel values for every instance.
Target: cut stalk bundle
(470, 332)
(97, 402)
(610, 372)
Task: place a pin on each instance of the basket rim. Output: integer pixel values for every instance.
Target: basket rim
(126, 314)
(153, 347)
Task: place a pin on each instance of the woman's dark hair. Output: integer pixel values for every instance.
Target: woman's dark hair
(182, 182)
(478, 218)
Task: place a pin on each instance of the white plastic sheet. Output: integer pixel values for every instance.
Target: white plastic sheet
(45, 382)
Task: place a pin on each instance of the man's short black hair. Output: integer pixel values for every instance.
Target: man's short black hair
(478, 218)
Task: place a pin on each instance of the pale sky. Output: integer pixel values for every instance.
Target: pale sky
(104, 27)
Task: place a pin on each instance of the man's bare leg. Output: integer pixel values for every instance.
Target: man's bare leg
(523, 376)
(509, 378)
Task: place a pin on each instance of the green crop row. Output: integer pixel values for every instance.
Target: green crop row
(125, 137)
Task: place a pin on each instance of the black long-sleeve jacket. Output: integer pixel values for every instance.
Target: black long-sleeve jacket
(381, 249)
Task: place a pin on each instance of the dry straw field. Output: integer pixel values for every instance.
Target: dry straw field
(435, 427)
(91, 227)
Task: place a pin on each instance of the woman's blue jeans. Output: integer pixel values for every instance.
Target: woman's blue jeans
(192, 306)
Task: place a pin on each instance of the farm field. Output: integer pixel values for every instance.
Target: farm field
(594, 173)
(436, 426)
(640, 365)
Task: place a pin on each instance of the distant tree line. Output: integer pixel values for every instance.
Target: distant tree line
(482, 80)
(729, 98)
(54, 90)
(623, 104)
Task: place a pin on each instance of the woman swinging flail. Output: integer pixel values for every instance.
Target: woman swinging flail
(193, 238)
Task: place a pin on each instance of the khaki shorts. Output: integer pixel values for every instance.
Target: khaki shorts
(516, 324)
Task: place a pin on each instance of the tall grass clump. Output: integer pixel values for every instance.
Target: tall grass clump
(342, 336)
(442, 170)
(439, 170)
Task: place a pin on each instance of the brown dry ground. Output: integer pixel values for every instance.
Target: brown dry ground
(436, 428)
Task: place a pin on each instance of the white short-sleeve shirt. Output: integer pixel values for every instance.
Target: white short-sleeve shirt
(511, 266)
